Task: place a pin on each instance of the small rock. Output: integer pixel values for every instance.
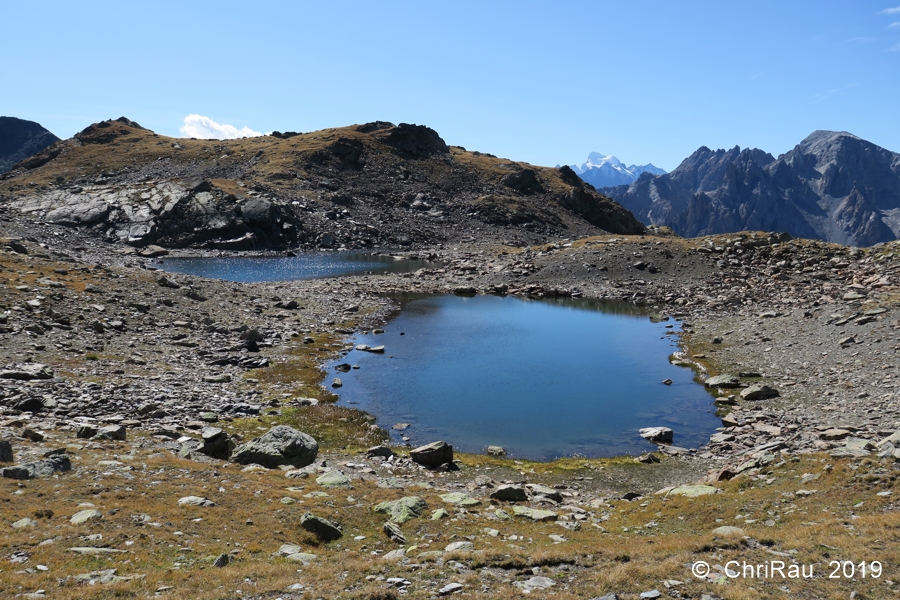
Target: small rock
(323, 529)
(195, 501)
(509, 493)
(84, 516)
(450, 588)
(221, 561)
(461, 546)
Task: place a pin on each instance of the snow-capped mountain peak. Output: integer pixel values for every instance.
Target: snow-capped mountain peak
(605, 170)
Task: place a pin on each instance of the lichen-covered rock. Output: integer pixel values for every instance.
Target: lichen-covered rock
(402, 510)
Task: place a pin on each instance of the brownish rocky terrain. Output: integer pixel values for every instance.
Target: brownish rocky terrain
(136, 407)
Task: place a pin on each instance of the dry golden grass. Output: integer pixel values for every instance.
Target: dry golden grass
(641, 543)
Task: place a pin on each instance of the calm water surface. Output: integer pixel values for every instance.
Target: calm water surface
(543, 379)
(309, 265)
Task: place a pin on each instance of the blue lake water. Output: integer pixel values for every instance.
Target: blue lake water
(543, 379)
(309, 265)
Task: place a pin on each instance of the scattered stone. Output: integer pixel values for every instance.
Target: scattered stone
(323, 529)
(728, 531)
(496, 450)
(393, 532)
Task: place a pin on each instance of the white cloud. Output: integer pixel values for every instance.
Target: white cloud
(894, 48)
(891, 11)
(894, 24)
(200, 127)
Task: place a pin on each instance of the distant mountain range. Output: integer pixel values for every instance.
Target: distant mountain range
(833, 186)
(605, 170)
(20, 139)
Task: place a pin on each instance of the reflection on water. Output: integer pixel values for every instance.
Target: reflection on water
(544, 379)
(308, 265)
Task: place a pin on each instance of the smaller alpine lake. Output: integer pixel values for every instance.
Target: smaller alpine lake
(543, 379)
(308, 265)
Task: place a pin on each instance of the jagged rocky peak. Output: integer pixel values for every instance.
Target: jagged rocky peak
(833, 186)
(21, 139)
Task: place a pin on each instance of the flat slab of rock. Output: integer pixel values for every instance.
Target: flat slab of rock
(432, 455)
(281, 445)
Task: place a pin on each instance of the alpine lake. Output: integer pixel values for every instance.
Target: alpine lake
(542, 378)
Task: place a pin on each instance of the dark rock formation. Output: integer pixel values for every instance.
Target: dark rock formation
(833, 186)
(21, 139)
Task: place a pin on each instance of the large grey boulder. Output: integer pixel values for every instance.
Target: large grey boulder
(281, 445)
(434, 454)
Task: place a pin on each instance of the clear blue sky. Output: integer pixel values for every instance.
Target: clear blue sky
(542, 82)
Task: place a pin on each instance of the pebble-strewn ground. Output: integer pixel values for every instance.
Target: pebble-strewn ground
(95, 347)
